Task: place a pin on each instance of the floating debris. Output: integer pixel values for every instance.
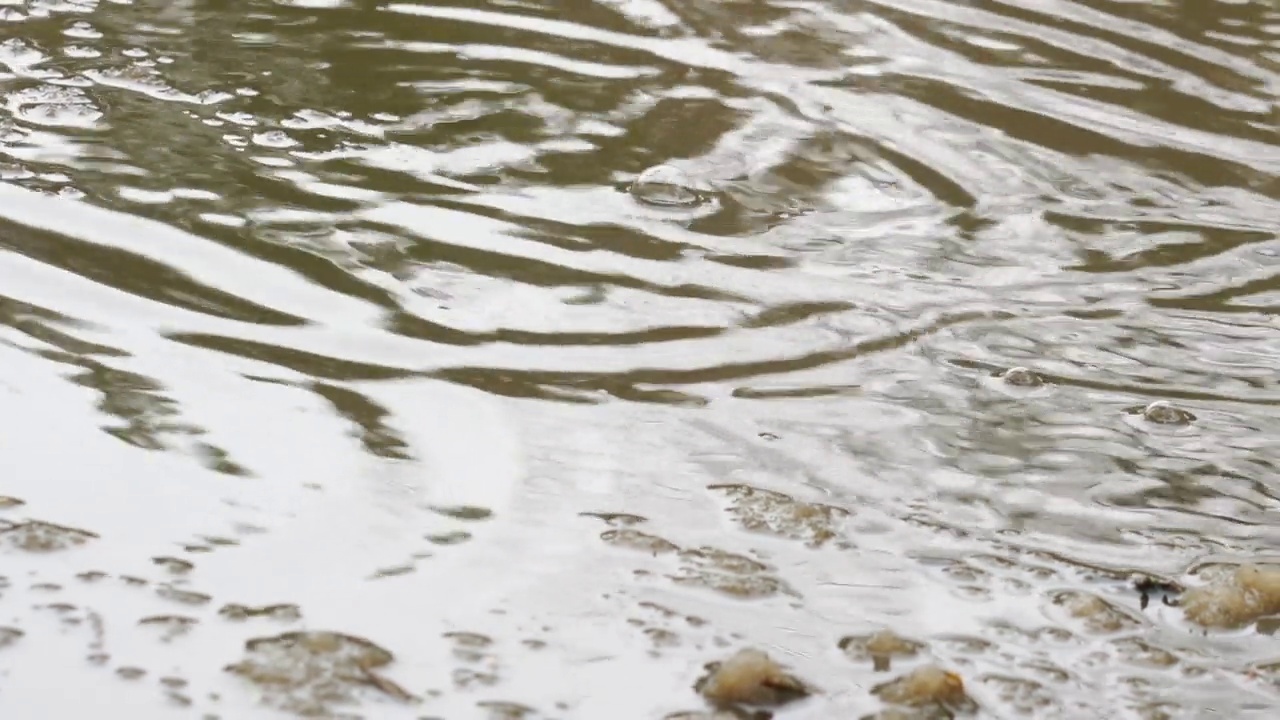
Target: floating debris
(750, 677)
(927, 686)
(1022, 377)
(1163, 412)
(1234, 599)
(307, 672)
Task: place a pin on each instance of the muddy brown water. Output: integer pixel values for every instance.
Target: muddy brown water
(518, 359)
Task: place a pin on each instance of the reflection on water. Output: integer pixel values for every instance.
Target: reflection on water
(518, 359)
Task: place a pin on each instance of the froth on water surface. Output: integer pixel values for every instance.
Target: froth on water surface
(912, 358)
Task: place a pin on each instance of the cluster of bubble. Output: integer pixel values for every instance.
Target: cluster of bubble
(1161, 412)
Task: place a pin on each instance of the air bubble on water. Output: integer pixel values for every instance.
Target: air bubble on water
(1165, 413)
(274, 139)
(1022, 377)
(666, 186)
(1018, 382)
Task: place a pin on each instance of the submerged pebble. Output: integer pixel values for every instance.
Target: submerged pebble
(1236, 599)
(750, 677)
(665, 186)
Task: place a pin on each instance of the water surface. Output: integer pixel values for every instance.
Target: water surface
(330, 316)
